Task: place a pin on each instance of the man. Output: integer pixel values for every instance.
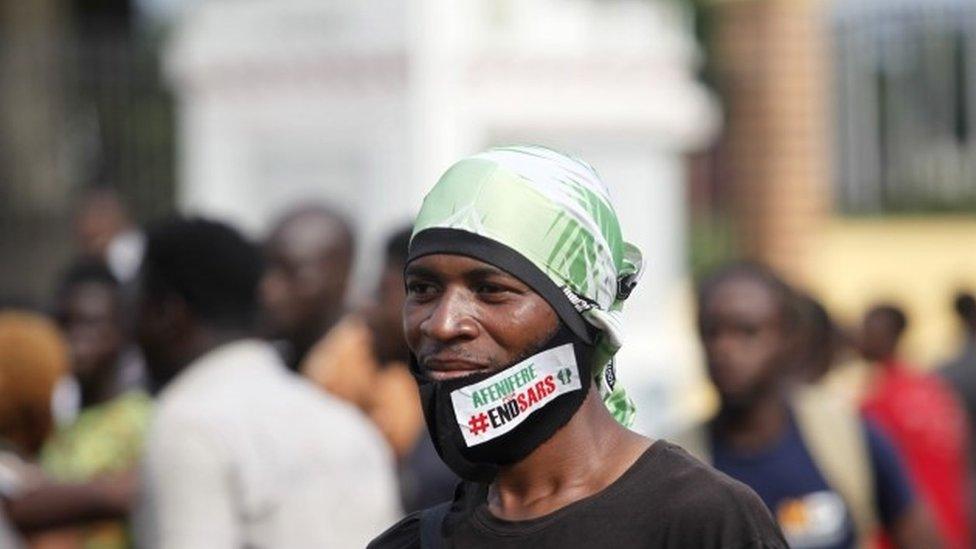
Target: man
(829, 479)
(310, 254)
(363, 360)
(241, 452)
(107, 436)
(89, 307)
(924, 420)
(515, 278)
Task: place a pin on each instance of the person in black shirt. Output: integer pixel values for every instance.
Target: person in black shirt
(515, 275)
(831, 478)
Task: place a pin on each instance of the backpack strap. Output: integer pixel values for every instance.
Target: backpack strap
(832, 431)
(431, 520)
(834, 435)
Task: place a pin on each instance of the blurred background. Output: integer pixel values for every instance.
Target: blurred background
(835, 141)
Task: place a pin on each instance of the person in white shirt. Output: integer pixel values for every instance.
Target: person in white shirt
(242, 452)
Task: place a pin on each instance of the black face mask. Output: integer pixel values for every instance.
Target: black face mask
(484, 421)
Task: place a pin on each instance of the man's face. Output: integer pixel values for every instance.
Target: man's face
(304, 281)
(463, 316)
(89, 314)
(879, 337)
(742, 333)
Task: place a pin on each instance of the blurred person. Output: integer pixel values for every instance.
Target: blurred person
(923, 419)
(960, 374)
(386, 315)
(516, 274)
(107, 436)
(33, 355)
(93, 307)
(364, 360)
(830, 479)
(309, 256)
(241, 452)
(105, 230)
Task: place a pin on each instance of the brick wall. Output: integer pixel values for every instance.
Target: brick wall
(770, 61)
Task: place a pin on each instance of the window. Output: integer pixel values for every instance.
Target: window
(905, 81)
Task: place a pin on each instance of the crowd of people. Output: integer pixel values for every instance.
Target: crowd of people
(839, 463)
(188, 388)
(297, 423)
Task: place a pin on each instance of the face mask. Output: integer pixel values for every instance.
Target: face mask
(483, 421)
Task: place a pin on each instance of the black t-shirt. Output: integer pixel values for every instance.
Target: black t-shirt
(667, 499)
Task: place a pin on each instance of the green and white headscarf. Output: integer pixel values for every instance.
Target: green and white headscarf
(556, 212)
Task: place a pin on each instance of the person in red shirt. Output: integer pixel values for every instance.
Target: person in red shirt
(924, 420)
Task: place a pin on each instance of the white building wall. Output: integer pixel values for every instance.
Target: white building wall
(364, 104)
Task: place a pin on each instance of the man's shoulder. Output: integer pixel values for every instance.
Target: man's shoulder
(707, 503)
(692, 484)
(405, 534)
(262, 397)
(248, 374)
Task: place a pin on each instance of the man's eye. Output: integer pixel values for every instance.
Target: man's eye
(420, 288)
(489, 289)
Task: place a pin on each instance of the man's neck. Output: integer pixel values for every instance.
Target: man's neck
(753, 427)
(580, 460)
(197, 344)
(212, 338)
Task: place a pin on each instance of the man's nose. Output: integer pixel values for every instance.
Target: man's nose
(452, 318)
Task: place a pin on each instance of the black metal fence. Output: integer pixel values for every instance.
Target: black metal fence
(76, 110)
